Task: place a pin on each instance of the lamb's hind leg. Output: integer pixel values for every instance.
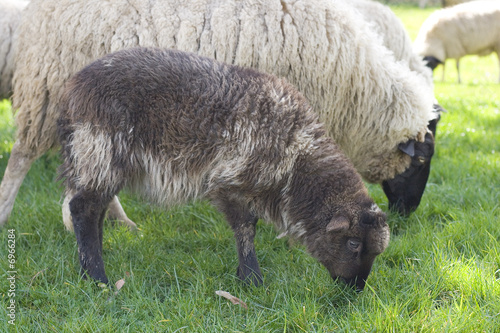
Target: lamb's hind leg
(18, 166)
(87, 212)
(243, 223)
(116, 212)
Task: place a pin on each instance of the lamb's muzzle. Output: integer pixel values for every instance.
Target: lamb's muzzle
(175, 127)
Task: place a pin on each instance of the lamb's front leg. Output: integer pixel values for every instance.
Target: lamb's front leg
(115, 212)
(243, 223)
(87, 212)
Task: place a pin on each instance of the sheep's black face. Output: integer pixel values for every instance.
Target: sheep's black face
(432, 62)
(348, 245)
(405, 190)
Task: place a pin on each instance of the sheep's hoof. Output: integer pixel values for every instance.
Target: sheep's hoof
(125, 222)
(116, 213)
(100, 281)
(250, 277)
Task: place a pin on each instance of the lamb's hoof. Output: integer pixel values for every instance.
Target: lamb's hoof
(117, 214)
(250, 276)
(129, 224)
(125, 222)
(100, 281)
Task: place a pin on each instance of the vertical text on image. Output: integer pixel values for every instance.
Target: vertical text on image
(11, 275)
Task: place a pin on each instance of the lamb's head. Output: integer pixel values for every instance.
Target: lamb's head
(328, 208)
(349, 240)
(405, 191)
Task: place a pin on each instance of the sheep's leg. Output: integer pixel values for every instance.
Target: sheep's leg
(243, 224)
(442, 73)
(458, 71)
(498, 56)
(66, 213)
(87, 212)
(116, 212)
(18, 166)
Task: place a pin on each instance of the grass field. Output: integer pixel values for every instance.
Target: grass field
(440, 273)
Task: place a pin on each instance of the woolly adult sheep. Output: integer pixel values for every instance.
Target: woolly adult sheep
(175, 126)
(10, 15)
(370, 104)
(395, 37)
(468, 28)
(393, 33)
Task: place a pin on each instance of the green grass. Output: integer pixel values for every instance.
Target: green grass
(440, 272)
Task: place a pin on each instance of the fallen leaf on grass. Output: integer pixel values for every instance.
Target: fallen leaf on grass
(119, 284)
(105, 288)
(234, 300)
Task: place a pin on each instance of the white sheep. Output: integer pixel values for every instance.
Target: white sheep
(370, 104)
(449, 3)
(394, 35)
(464, 29)
(10, 15)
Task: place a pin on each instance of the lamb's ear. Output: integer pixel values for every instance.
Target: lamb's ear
(408, 147)
(337, 224)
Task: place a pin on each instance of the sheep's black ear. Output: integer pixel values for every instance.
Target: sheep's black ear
(408, 147)
(337, 224)
(432, 62)
(438, 109)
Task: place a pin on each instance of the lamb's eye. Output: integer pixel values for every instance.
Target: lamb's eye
(353, 244)
(421, 159)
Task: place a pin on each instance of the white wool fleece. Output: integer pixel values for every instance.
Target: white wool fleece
(369, 102)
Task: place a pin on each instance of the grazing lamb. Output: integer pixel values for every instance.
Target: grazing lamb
(10, 15)
(468, 28)
(175, 126)
(370, 104)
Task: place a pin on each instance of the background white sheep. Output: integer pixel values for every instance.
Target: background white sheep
(449, 3)
(468, 28)
(369, 103)
(10, 15)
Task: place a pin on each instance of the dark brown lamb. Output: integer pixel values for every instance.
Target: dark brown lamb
(175, 126)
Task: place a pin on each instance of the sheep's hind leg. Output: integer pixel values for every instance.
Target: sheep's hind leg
(18, 166)
(116, 213)
(498, 58)
(243, 224)
(87, 212)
